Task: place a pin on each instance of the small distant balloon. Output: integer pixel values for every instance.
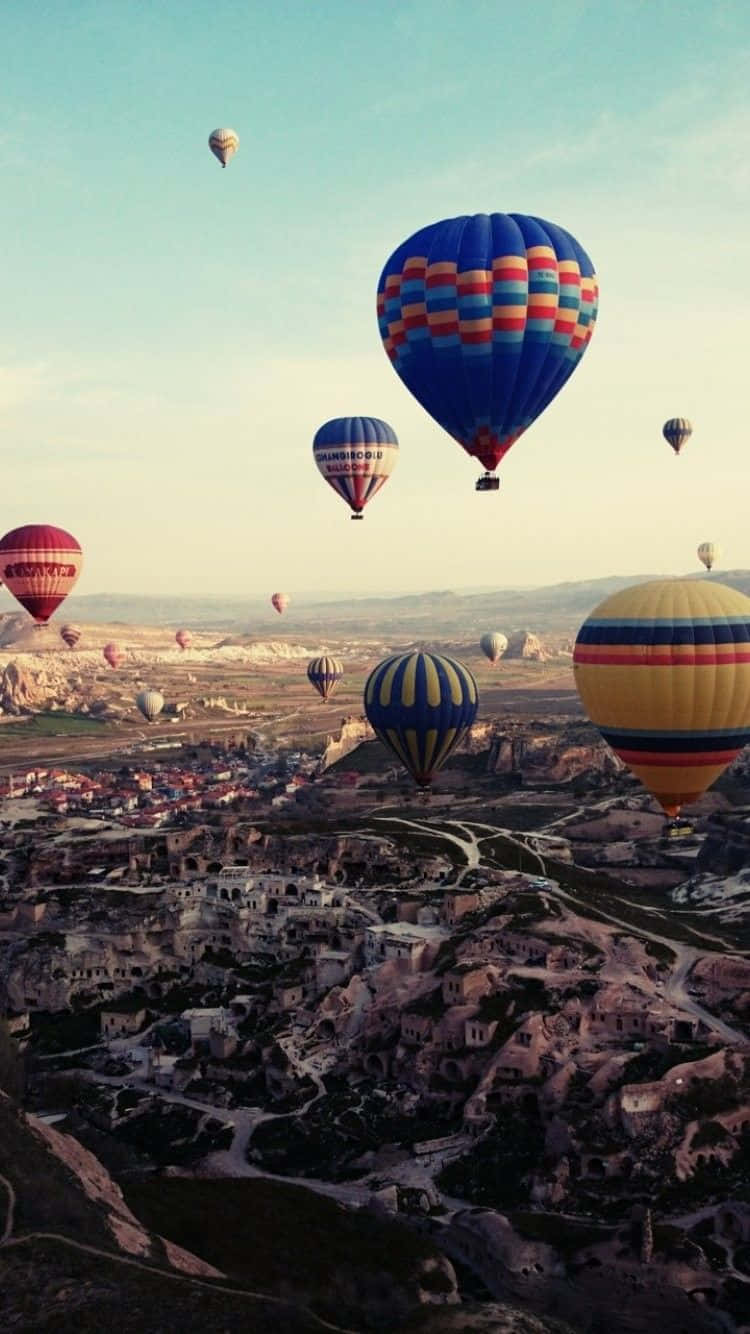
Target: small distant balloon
(420, 705)
(40, 565)
(280, 601)
(184, 639)
(677, 431)
(324, 675)
(709, 554)
(356, 456)
(113, 654)
(223, 144)
(150, 703)
(493, 645)
(70, 635)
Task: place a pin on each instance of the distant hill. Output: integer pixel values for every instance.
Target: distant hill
(550, 608)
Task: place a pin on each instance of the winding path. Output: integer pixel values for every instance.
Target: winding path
(685, 956)
(210, 1286)
(11, 1214)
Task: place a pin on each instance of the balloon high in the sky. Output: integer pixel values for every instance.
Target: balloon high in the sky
(113, 654)
(324, 674)
(484, 319)
(40, 565)
(223, 144)
(709, 554)
(421, 705)
(493, 645)
(356, 455)
(184, 639)
(70, 634)
(150, 703)
(663, 670)
(280, 601)
(677, 431)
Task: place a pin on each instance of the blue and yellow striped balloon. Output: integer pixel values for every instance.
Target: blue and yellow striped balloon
(421, 705)
(324, 674)
(663, 670)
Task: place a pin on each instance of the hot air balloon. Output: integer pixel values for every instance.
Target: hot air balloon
(70, 634)
(421, 705)
(113, 654)
(356, 455)
(223, 144)
(280, 601)
(484, 319)
(184, 639)
(40, 565)
(324, 674)
(663, 670)
(677, 431)
(150, 703)
(493, 646)
(709, 553)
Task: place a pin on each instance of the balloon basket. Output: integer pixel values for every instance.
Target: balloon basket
(487, 483)
(357, 516)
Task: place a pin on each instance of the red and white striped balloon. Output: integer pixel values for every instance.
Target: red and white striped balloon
(280, 601)
(40, 565)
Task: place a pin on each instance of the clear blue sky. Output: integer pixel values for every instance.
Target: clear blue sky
(172, 334)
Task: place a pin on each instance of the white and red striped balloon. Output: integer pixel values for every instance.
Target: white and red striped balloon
(280, 601)
(184, 639)
(40, 565)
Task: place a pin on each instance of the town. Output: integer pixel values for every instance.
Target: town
(390, 1009)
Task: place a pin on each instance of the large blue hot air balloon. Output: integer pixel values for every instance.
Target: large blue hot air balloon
(484, 319)
(420, 705)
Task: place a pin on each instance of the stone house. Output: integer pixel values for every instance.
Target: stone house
(415, 945)
(116, 1023)
(479, 1032)
(449, 1033)
(202, 1021)
(289, 995)
(416, 1028)
(331, 968)
(465, 983)
(457, 905)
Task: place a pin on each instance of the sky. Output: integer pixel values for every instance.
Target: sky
(172, 334)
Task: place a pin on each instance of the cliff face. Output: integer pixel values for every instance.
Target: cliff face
(549, 758)
(353, 732)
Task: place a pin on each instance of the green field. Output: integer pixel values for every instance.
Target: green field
(52, 724)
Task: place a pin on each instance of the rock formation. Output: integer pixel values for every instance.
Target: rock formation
(353, 732)
(524, 644)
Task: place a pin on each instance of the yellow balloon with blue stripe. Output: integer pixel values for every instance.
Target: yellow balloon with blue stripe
(420, 705)
(663, 670)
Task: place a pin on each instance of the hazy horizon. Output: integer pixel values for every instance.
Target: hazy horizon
(174, 333)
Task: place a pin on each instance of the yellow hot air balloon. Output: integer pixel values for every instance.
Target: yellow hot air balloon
(708, 554)
(663, 670)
